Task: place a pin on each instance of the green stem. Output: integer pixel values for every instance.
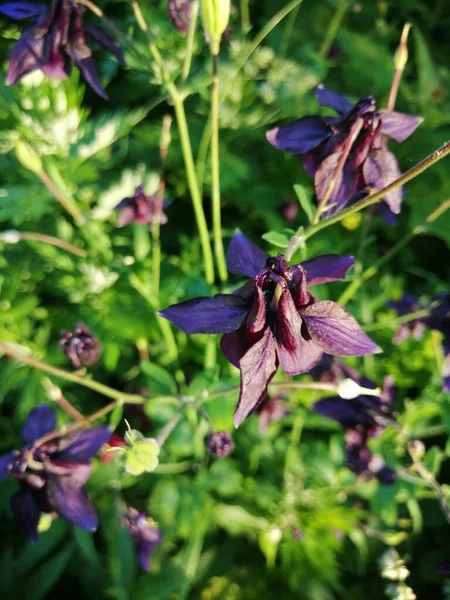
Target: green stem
(376, 198)
(13, 237)
(394, 322)
(373, 270)
(215, 173)
(245, 16)
(85, 382)
(190, 40)
(333, 27)
(67, 203)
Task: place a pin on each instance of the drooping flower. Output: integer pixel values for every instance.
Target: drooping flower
(140, 208)
(363, 416)
(52, 474)
(273, 319)
(438, 319)
(54, 39)
(80, 347)
(144, 532)
(220, 444)
(355, 140)
(180, 14)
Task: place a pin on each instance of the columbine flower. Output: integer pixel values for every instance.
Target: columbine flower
(273, 319)
(438, 319)
(356, 137)
(408, 304)
(144, 533)
(80, 347)
(52, 474)
(362, 416)
(140, 208)
(55, 38)
(180, 14)
(221, 444)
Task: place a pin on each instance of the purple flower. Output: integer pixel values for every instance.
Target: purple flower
(362, 417)
(80, 347)
(408, 304)
(144, 533)
(54, 39)
(220, 444)
(354, 139)
(273, 319)
(140, 208)
(180, 14)
(52, 474)
(270, 410)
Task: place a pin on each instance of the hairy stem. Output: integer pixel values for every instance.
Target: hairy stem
(425, 164)
(215, 173)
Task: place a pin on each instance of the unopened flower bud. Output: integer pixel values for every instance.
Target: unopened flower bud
(216, 14)
(28, 157)
(401, 55)
(81, 347)
(348, 389)
(221, 444)
(10, 237)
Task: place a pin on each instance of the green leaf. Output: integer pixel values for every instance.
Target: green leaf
(41, 581)
(280, 239)
(304, 197)
(160, 381)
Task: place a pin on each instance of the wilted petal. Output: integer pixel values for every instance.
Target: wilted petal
(398, 126)
(221, 314)
(336, 330)
(25, 510)
(299, 136)
(70, 502)
(82, 445)
(258, 366)
(333, 100)
(379, 170)
(5, 461)
(108, 42)
(327, 268)
(25, 57)
(243, 257)
(40, 421)
(296, 353)
(22, 10)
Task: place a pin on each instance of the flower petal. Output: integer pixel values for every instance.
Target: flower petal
(336, 330)
(40, 421)
(379, 170)
(25, 510)
(256, 319)
(296, 353)
(327, 268)
(22, 10)
(70, 502)
(5, 461)
(300, 136)
(243, 257)
(103, 38)
(345, 184)
(398, 126)
(221, 314)
(258, 366)
(333, 100)
(26, 56)
(348, 413)
(82, 445)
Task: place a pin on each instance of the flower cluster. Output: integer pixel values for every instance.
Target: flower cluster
(80, 347)
(273, 319)
(52, 473)
(437, 319)
(362, 416)
(54, 39)
(348, 150)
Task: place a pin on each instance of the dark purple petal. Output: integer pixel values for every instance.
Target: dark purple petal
(336, 330)
(258, 366)
(333, 100)
(26, 512)
(22, 10)
(108, 42)
(296, 353)
(70, 502)
(243, 257)
(327, 268)
(379, 170)
(299, 136)
(446, 373)
(234, 345)
(89, 72)
(5, 461)
(348, 413)
(256, 319)
(345, 184)
(40, 421)
(26, 56)
(386, 475)
(221, 314)
(82, 445)
(398, 126)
